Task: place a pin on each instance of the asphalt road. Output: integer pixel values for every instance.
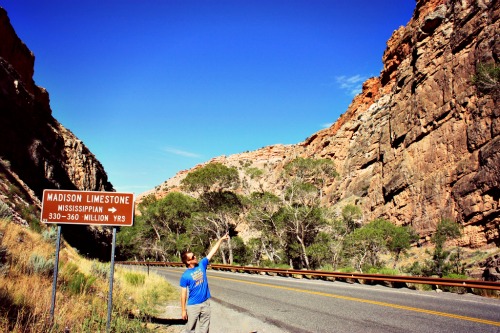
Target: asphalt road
(301, 305)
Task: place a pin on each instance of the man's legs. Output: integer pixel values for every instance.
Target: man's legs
(205, 317)
(193, 312)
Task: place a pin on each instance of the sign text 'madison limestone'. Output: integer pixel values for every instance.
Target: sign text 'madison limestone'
(84, 207)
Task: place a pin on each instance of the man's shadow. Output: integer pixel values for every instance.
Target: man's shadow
(160, 321)
(169, 321)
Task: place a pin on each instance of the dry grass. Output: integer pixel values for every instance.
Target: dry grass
(82, 291)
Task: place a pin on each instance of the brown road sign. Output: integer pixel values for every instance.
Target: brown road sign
(88, 207)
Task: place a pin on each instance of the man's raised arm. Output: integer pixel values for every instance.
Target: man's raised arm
(216, 246)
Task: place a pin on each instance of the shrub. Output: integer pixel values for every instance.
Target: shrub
(383, 271)
(486, 292)
(35, 224)
(50, 235)
(14, 192)
(38, 264)
(123, 324)
(135, 279)
(458, 290)
(5, 212)
(75, 281)
(422, 287)
(270, 264)
(80, 283)
(487, 78)
(81, 302)
(327, 268)
(348, 269)
(30, 213)
(69, 269)
(414, 269)
(4, 253)
(254, 172)
(99, 269)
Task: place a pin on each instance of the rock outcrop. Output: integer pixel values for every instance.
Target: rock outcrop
(40, 150)
(421, 142)
(36, 151)
(427, 145)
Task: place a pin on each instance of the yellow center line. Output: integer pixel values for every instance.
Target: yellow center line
(361, 300)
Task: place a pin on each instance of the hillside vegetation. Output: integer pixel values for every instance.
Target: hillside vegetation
(26, 270)
(291, 228)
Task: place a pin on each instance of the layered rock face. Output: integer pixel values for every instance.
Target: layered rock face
(39, 149)
(420, 143)
(36, 151)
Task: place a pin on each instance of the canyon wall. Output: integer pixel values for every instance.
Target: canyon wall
(40, 150)
(421, 142)
(36, 151)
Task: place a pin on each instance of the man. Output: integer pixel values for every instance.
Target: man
(194, 280)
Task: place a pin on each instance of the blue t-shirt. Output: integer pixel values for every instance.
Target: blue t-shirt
(195, 280)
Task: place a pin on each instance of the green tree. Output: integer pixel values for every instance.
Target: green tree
(254, 172)
(440, 264)
(219, 206)
(366, 244)
(317, 172)
(241, 254)
(302, 224)
(211, 177)
(399, 242)
(218, 214)
(263, 207)
(351, 215)
(290, 224)
(146, 201)
(126, 242)
(174, 212)
(137, 241)
(160, 230)
(446, 229)
(320, 250)
(301, 217)
(331, 239)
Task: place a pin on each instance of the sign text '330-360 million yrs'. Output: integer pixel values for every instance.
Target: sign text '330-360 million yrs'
(88, 207)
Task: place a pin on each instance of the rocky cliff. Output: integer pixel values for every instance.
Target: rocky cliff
(421, 142)
(36, 151)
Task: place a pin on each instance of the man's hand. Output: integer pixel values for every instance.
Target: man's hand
(183, 303)
(226, 236)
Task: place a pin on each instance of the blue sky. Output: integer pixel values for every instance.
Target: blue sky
(153, 87)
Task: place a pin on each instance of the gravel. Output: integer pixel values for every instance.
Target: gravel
(224, 320)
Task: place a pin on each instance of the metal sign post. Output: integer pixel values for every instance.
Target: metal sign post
(56, 269)
(111, 277)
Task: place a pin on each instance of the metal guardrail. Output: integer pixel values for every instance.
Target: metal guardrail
(464, 283)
